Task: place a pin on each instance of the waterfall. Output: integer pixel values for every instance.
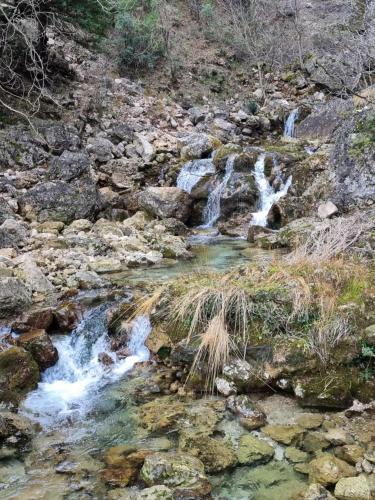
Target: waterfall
(289, 129)
(191, 173)
(211, 212)
(267, 194)
(67, 389)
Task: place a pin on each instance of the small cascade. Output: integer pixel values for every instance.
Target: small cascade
(268, 195)
(192, 172)
(289, 129)
(67, 390)
(211, 212)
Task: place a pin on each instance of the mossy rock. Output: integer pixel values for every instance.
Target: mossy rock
(252, 450)
(327, 470)
(334, 389)
(216, 454)
(285, 434)
(19, 373)
(222, 154)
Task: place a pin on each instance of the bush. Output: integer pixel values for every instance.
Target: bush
(140, 35)
(89, 14)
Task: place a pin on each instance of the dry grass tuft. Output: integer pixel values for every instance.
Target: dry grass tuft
(326, 243)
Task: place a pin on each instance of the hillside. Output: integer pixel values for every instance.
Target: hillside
(187, 247)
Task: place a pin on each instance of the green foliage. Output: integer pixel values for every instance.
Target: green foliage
(141, 39)
(89, 14)
(252, 107)
(363, 137)
(353, 292)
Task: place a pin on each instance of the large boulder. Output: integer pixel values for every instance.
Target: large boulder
(166, 202)
(62, 201)
(60, 137)
(353, 162)
(179, 471)
(324, 120)
(19, 373)
(40, 346)
(14, 296)
(69, 166)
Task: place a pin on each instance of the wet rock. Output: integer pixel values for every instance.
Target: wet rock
(12, 424)
(315, 492)
(327, 210)
(216, 455)
(181, 472)
(105, 359)
(158, 341)
(105, 265)
(14, 296)
(327, 470)
(310, 420)
(252, 450)
(351, 453)
(166, 202)
(161, 414)
(67, 316)
(19, 373)
(123, 465)
(38, 319)
(285, 434)
(337, 436)
(40, 346)
(355, 488)
(250, 415)
(153, 493)
(315, 441)
(295, 455)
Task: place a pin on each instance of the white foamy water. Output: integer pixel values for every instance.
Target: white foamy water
(192, 172)
(212, 210)
(67, 390)
(267, 194)
(290, 124)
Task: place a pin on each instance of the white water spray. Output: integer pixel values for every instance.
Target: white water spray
(290, 124)
(268, 195)
(192, 172)
(67, 389)
(211, 213)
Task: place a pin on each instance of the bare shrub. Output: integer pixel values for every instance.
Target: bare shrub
(326, 335)
(328, 241)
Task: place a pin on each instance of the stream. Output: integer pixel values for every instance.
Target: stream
(83, 407)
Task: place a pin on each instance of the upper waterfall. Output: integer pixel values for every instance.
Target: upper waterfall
(289, 129)
(211, 212)
(191, 173)
(267, 194)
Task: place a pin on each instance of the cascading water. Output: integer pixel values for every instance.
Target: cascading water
(289, 129)
(67, 389)
(268, 195)
(211, 212)
(192, 172)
